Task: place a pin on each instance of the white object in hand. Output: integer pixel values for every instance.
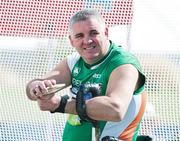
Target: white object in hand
(54, 88)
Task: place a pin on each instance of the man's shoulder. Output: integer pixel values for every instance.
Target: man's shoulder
(72, 59)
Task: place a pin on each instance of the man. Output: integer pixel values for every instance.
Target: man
(121, 103)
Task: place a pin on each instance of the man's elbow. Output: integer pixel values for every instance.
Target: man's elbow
(119, 113)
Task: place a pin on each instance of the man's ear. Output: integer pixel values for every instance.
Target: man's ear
(106, 32)
(70, 39)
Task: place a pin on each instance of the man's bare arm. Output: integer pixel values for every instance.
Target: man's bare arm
(60, 74)
(113, 106)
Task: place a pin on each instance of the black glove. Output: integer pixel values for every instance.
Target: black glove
(85, 92)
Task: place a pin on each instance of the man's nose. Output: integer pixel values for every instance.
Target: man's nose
(87, 41)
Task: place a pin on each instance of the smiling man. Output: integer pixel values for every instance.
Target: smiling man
(116, 105)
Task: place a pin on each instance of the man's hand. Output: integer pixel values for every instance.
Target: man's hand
(38, 88)
(50, 103)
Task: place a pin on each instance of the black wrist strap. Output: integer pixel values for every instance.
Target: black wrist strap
(62, 105)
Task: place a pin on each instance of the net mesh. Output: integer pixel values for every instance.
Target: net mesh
(51, 17)
(34, 39)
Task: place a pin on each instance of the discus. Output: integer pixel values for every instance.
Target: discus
(54, 89)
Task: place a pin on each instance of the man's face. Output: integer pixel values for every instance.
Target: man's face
(90, 39)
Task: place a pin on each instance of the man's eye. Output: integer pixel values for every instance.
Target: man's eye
(78, 36)
(94, 33)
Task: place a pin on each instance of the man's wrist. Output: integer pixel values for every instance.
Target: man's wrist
(62, 105)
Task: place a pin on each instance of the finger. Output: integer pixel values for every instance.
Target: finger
(33, 93)
(48, 83)
(53, 81)
(41, 88)
(37, 90)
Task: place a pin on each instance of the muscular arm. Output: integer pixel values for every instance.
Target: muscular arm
(60, 74)
(113, 106)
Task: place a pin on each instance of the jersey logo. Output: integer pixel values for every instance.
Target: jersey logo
(76, 71)
(96, 76)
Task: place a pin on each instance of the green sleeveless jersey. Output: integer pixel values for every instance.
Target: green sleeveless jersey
(97, 73)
